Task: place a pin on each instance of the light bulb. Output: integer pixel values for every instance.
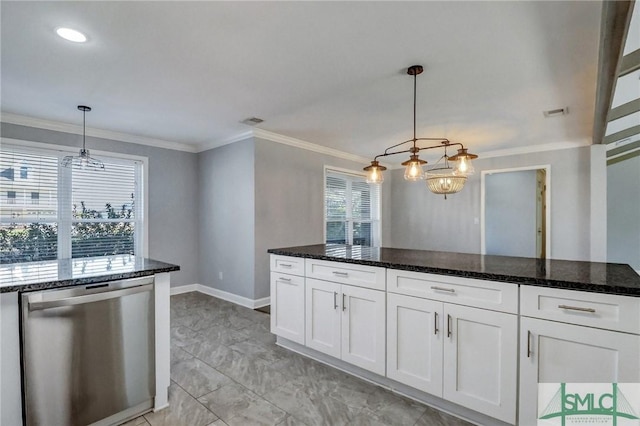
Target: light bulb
(413, 171)
(464, 166)
(375, 176)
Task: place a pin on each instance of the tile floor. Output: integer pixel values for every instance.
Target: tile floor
(227, 370)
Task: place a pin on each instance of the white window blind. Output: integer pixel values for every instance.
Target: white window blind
(103, 210)
(352, 209)
(28, 230)
(58, 212)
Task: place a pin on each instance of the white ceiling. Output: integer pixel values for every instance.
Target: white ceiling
(330, 73)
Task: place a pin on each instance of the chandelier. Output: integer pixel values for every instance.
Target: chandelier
(448, 175)
(83, 160)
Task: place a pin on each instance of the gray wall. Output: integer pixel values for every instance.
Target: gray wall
(289, 201)
(173, 195)
(510, 213)
(422, 220)
(623, 212)
(226, 218)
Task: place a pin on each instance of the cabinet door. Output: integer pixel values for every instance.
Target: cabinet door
(363, 328)
(414, 342)
(287, 306)
(552, 352)
(322, 322)
(480, 360)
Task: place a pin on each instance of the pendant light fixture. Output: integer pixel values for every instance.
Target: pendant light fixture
(446, 179)
(83, 160)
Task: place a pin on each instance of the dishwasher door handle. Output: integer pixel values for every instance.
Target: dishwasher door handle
(88, 298)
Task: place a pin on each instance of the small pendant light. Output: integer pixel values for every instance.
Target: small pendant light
(83, 160)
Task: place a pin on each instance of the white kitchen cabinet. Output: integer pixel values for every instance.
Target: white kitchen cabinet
(346, 322)
(480, 360)
(554, 352)
(462, 354)
(287, 306)
(414, 342)
(323, 316)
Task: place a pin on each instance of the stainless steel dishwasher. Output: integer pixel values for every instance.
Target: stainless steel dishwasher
(88, 353)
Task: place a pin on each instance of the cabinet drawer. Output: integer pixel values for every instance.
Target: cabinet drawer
(347, 273)
(608, 311)
(287, 264)
(464, 291)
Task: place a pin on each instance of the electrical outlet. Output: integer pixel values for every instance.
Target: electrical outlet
(220, 275)
(476, 221)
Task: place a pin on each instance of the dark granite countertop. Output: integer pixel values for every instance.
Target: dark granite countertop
(71, 272)
(611, 278)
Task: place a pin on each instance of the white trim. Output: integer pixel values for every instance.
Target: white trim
(38, 123)
(553, 146)
(65, 148)
(547, 168)
(216, 144)
(220, 294)
(184, 289)
(299, 143)
(57, 126)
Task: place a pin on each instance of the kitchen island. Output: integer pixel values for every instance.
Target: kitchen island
(149, 281)
(470, 334)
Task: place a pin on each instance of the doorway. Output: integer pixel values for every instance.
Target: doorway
(515, 210)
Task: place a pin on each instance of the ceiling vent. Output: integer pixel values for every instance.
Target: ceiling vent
(556, 112)
(252, 121)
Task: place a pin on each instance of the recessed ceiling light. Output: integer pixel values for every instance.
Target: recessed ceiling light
(71, 35)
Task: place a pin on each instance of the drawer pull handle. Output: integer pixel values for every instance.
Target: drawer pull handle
(287, 280)
(577, 308)
(450, 290)
(435, 323)
(449, 325)
(286, 265)
(344, 305)
(528, 344)
(341, 274)
(335, 300)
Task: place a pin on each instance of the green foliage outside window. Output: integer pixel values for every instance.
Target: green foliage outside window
(34, 242)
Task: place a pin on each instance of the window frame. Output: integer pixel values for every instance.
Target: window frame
(376, 224)
(64, 221)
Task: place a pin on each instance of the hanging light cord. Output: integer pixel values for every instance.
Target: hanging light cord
(84, 128)
(415, 79)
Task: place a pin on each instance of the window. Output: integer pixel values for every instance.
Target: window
(352, 209)
(69, 212)
(24, 172)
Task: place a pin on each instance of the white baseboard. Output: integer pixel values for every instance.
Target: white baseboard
(224, 295)
(184, 289)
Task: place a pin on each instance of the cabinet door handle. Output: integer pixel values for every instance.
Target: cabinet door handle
(577, 308)
(435, 323)
(450, 290)
(449, 325)
(287, 280)
(341, 274)
(344, 305)
(528, 344)
(286, 265)
(335, 300)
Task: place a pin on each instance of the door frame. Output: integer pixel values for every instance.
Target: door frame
(484, 173)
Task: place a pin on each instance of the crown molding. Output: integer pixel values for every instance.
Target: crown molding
(57, 126)
(299, 143)
(215, 144)
(532, 149)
